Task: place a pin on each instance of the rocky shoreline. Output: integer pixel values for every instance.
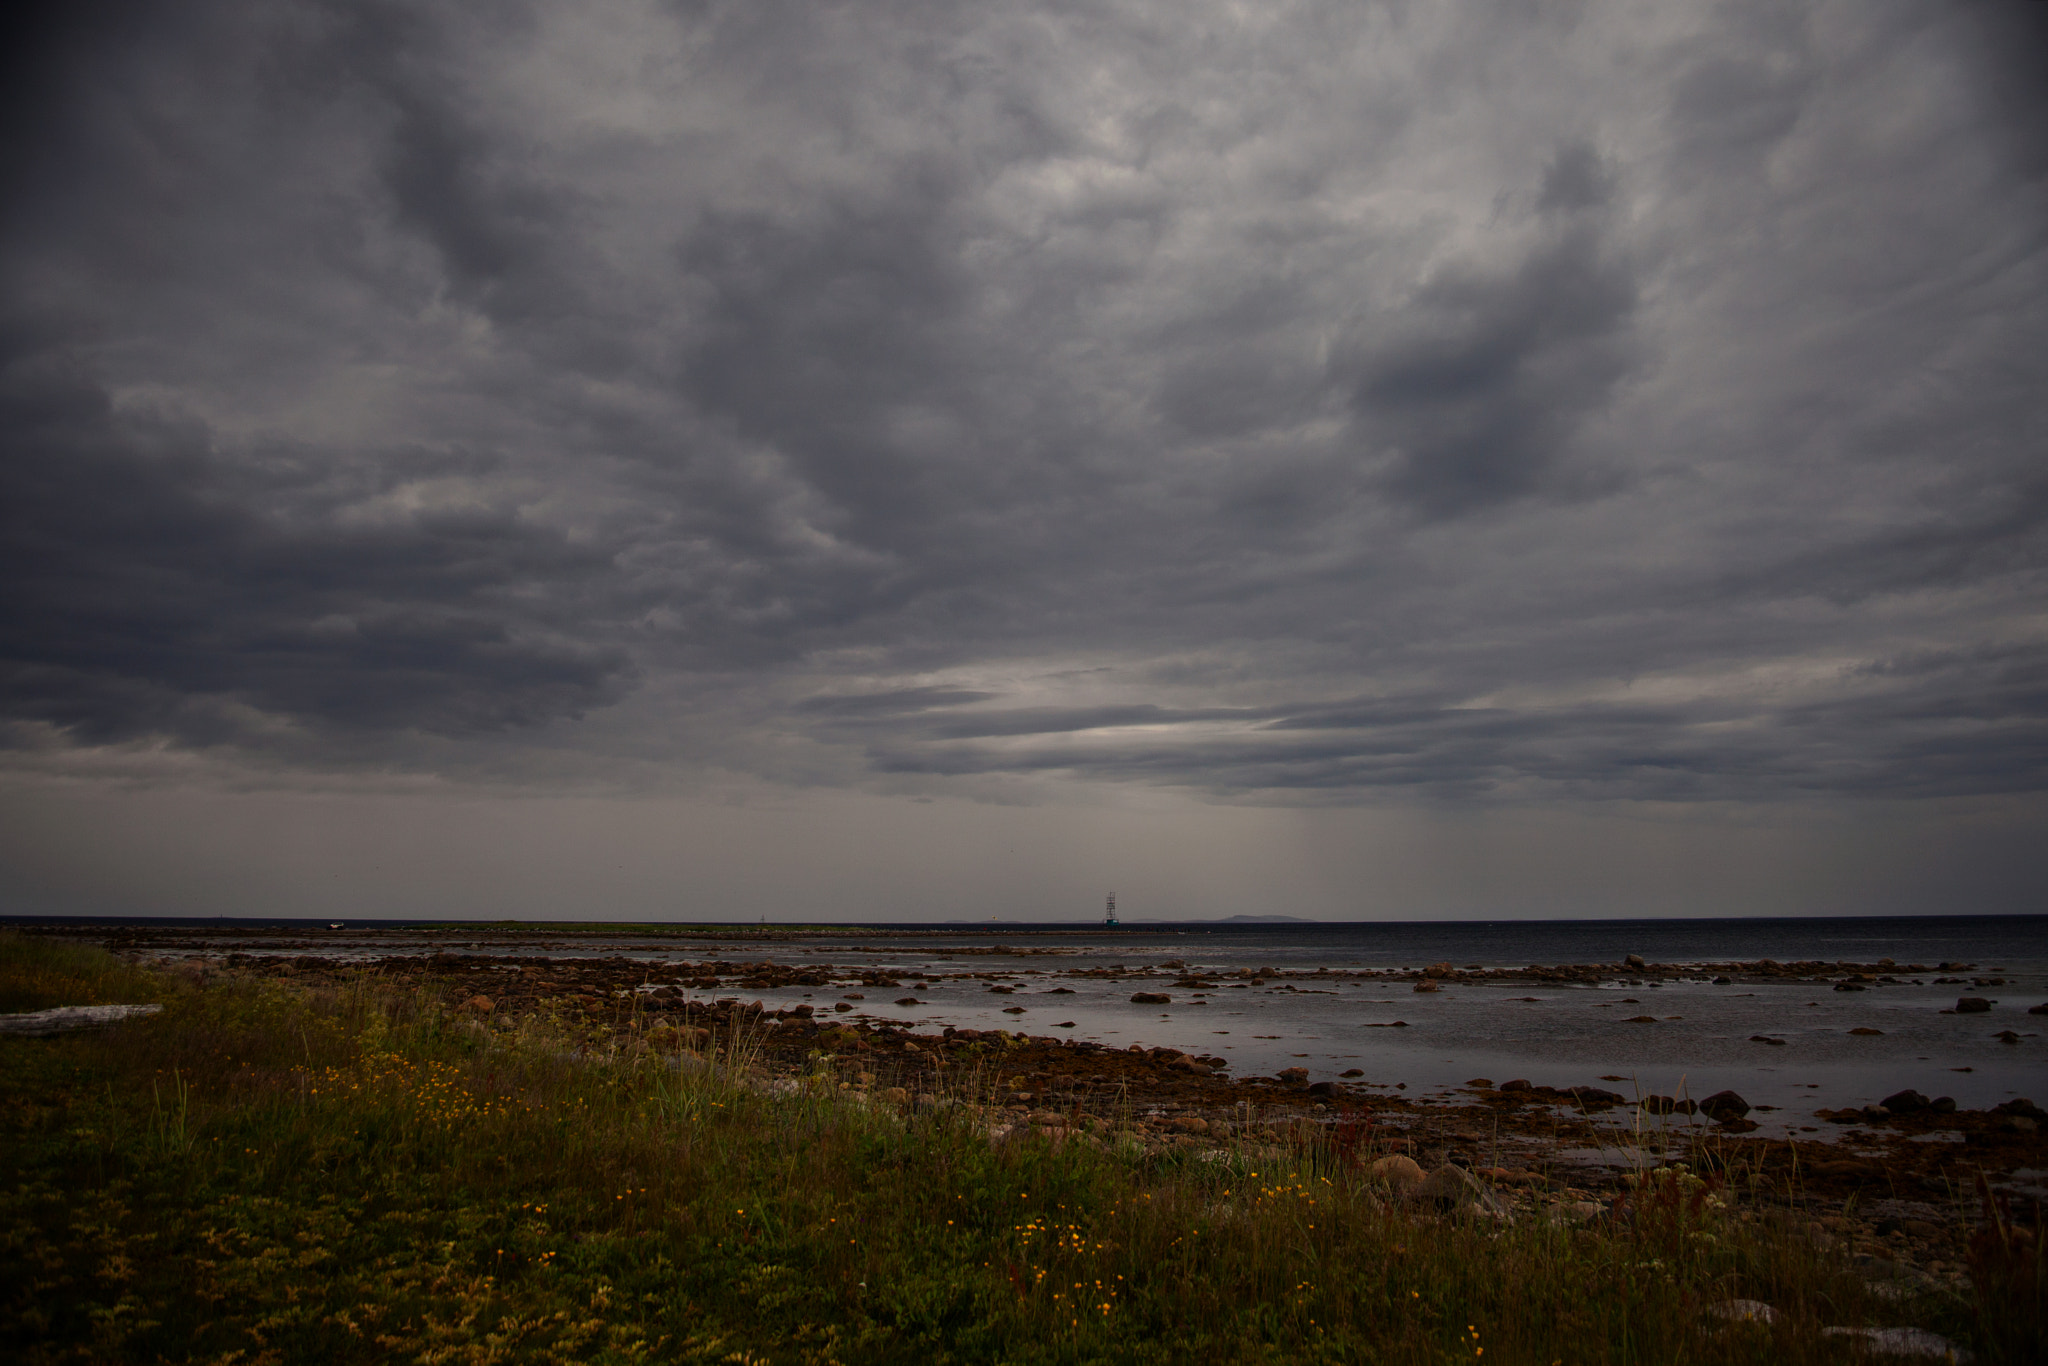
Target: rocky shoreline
(1889, 1189)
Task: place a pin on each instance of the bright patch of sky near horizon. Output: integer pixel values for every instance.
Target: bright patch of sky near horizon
(846, 461)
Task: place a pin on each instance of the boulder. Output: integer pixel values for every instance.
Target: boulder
(1905, 1102)
(1397, 1170)
(1323, 1088)
(2041, 1009)
(1724, 1106)
(1518, 1084)
(1151, 998)
(1659, 1105)
(1426, 984)
(1294, 1075)
(1454, 1188)
(1635, 960)
(2022, 1107)
(1972, 1005)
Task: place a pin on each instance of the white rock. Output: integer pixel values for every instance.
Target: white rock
(1902, 1342)
(64, 1019)
(1743, 1311)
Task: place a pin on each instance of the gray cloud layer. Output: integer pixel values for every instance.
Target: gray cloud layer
(1318, 404)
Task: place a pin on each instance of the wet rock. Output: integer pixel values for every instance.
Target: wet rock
(1352, 1072)
(1905, 1102)
(1294, 1075)
(1593, 1095)
(2022, 1107)
(1765, 1038)
(1635, 960)
(1866, 1032)
(1426, 985)
(2006, 1036)
(1724, 981)
(1972, 1005)
(908, 1001)
(1724, 1106)
(1151, 998)
(1518, 1084)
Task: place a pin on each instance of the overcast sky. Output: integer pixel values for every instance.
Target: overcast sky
(902, 460)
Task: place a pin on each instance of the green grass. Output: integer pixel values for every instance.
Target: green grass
(261, 1174)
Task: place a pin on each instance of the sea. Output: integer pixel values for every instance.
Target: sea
(1704, 1037)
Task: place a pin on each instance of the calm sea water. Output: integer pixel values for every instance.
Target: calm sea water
(1565, 1035)
(1552, 1035)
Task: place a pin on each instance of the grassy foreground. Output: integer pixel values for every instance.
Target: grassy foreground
(266, 1175)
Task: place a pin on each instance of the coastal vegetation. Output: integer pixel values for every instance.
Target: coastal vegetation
(271, 1172)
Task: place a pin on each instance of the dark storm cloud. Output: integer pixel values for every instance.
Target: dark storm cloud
(1583, 401)
(1488, 374)
(146, 591)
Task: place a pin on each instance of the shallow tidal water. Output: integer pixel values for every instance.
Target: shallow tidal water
(1550, 1033)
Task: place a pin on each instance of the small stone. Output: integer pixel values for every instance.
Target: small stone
(1518, 1084)
(2006, 1036)
(1866, 1031)
(1724, 1106)
(1352, 1072)
(1765, 1038)
(1151, 998)
(908, 1001)
(1972, 1005)
(1426, 984)
(1640, 1019)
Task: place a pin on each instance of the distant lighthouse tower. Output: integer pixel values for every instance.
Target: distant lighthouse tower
(1109, 913)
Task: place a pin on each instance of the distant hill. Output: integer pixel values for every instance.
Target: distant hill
(1267, 920)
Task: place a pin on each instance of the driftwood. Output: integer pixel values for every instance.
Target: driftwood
(65, 1019)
